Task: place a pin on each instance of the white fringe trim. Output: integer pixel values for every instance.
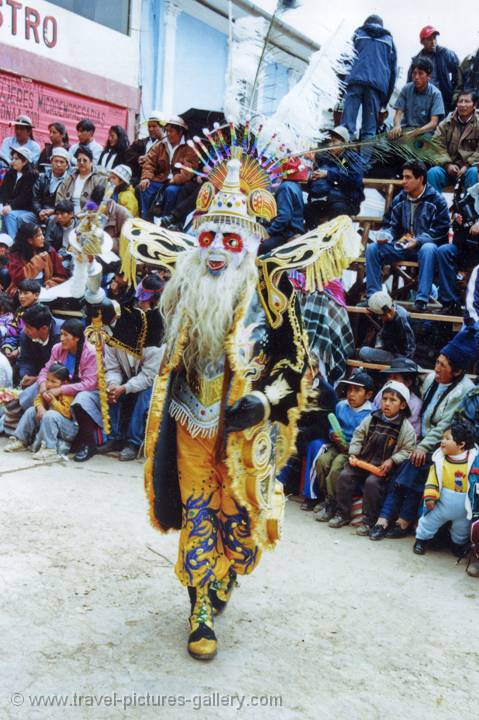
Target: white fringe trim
(180, 414)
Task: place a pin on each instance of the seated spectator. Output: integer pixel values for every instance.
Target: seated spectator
(154, 175)
(85, 131)
(396, 337)
(28, 295)
(179, 152)
(444, 64)
(6, 243)
(48, 427)
(384, 439)
(120, 290)
(450, 491)
(185, 206)
(415, 228)
(80, 184)
(405, 371)
(419, 105)
(58, 139)
(337, 182)
(115, 149)
(47, 184)
(124, 193)
(23, 139)
(6, 314)
(458, 136)
(136, 154)
(115, 216)
(465, 215)
(468, 76)
(32, 259)
(289, 220)
(350, 413)
(60, 225)
(442, 393)
(16, 192)
(39, 335)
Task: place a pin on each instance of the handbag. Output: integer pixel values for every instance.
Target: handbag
(156, 207)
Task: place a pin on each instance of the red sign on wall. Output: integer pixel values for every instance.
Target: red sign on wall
(45, 104)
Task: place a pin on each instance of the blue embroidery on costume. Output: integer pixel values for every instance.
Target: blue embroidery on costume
(235, 530)
(201, 522)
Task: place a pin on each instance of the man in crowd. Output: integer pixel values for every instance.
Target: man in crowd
(59, 226)
(415, 228)
(372, 77)
(468, 75)
(458, 136)
(289, 220)
(47, 184)
(36, 341)
(23, 138)
(136, 154)
(444, 64)
(419, 105)
(85, 131)
(396, 337)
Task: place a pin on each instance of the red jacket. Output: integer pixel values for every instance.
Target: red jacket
(51, 266)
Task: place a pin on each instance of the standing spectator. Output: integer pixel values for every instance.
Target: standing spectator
(396, 338)
(137, 152)
(444, 63)
(31, 259)
(289, 220)
(16, 192)
(419, 105)
(415, 228)
(124, 193)
(47, 184)
(458, 137)
(60, 225)
(23, 139)
(80, 184)
(85, 131)
(115, 149)
(372, 77)
(58, 139)
(468, 76)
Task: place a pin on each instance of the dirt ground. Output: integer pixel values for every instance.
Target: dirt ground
(330, 625)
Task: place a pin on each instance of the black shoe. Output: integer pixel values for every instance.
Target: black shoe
(378, 532)
(169, 222)
(129, 452)
(85, 453)
(420, 547)
(397, 532)
(419, 306)
(109, 446)
(461, 550)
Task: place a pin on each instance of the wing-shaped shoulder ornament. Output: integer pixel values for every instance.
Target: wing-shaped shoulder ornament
(321, 254)
(144, 242)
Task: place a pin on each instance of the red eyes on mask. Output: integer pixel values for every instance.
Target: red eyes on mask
(231, 241)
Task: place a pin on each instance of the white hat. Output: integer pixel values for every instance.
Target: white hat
(123, 172)
(22, 120)
(6, 240)
(23, 151)
(176, 120)
(399, 388)
(157, 116)
(341, 132)
(380, 302)
(61, 152)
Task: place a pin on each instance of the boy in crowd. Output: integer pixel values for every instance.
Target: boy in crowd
(350, 413)
(396, 338)
(449, 493)
(28, 294)
(384, 439)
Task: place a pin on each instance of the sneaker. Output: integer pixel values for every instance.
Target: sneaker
(129, 452)
(308, 504)
(338, 521)
(327, 512)
(363, 530)
(319, 506)
(47, 455)
(420, 547)
(419, 306)
(14, 445)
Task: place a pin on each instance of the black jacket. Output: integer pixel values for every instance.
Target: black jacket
(33, 356)
(18, 195)
(42, 197)
(54, 233)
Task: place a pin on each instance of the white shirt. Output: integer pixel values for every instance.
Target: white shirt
(77, 191)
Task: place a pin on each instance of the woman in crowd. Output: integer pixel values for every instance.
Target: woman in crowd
(58, 138)
(115, 148)
(32, 259)
(124, 193)
(78, 186)
(16, 192)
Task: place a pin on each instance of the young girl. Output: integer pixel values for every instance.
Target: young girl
(49, 421)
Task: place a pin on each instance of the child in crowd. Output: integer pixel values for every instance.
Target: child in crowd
(48, 423)
(396, 338)
(404, 371)
(28, 295)
(6, 314)
(451, 489)
(350, 413)
(384, 439)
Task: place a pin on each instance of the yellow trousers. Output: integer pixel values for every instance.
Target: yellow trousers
(215, 532)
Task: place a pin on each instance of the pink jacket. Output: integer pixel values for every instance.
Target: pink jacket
(87, 370)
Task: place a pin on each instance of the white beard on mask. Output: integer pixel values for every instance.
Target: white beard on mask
(206, 304)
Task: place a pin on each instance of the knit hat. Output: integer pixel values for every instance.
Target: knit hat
(362, 379)
(380, 302)
(123, 172)
(23, 151)
(374, 20)
(427, 31)
(294, 169)
(62, 153)
(399, 388)
(460, 354)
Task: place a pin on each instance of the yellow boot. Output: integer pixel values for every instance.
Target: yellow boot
(202, 643)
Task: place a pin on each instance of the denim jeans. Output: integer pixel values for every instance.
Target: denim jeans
(135, 433)
(14, 219)
(171, 198)
(438, 177)
(369, 100)
(146, 198)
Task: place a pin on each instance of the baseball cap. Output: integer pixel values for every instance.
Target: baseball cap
(380, 302)
(22, 120)
(360, 378)
(427, 31)
(61, 152)
(399, 388)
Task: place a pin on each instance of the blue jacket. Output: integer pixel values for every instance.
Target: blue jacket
(289, 220)
(431, 217)
(375, 63)
(447, 64)
(345, 174)
(350, 419)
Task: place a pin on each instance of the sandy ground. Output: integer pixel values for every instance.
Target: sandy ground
(333, 624)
